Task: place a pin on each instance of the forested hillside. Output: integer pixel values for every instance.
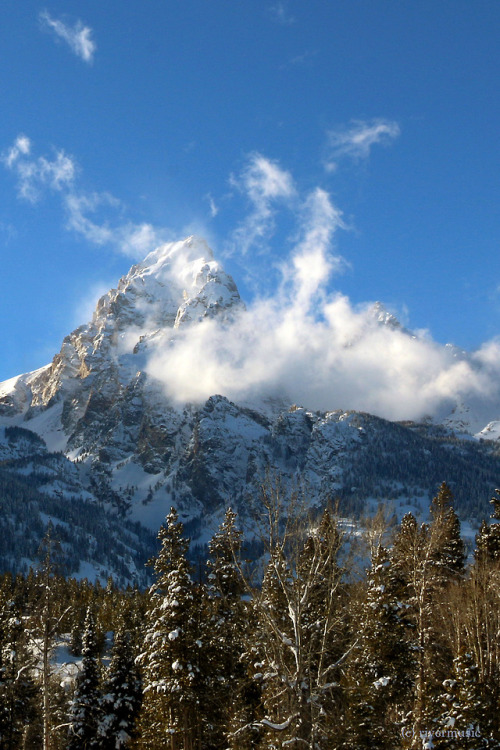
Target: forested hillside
(389, 639)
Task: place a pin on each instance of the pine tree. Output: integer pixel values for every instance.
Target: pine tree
(301, 637)
(428, 559)
(46, 606)
(121, 701)
(17, 686)
(463, 721)
(449, 552)
(377, 676)
(488, 538)
(170, 711)
(223, 634)
(84, 709)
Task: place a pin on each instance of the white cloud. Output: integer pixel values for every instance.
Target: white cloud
(356, 141)
(36, 174)
(310, 344)
(279, 12)
(137, 240)
(214, 209)
(95, 216)
(79, 206)
(77, 37)
(264, 183)
(332, 356)
(133, 240)
(21, 147)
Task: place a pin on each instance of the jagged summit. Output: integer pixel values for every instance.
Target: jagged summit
(177, 284)
(382, 315)
(108, 432)
(159, 291)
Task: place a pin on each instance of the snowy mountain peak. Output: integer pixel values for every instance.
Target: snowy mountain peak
(171, 259)
(177, 284)
(381, 314)
(157, 292)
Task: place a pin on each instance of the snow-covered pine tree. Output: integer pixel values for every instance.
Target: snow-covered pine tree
(122, 695)
(488, 538)
(301, 637)
(222, 634)
(169, 717)
(428, 558)
(463, 722)
(18, 692)
(377, 675)
(481, 619)
(84, 709)
(449, 553)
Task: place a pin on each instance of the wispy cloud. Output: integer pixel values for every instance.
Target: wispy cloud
(312, 346)
(36, 174)
(214, 209)
(307, 342)
(78, 37)
(264, 183)
(279, 13)
(98, 217)
(305, 60)
(356, 140)
(21, 147)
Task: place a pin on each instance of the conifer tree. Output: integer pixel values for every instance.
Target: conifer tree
(17, 686)
(46, 617)
(463, 721)
(377, 677)
(223, 633)
(122, 694)
(488, 538)
(301, 638)
(449, 552)
(170, 711)
(427, 559)
(84, 709)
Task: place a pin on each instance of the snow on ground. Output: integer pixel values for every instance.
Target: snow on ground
(47, 424)
(91, 572)
(9, 386)
(490, 432)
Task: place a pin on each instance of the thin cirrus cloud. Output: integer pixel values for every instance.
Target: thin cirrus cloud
(34, 175)
(355, 141)
(279, 13)
(264, 183)
(78, 37)
(94, 216)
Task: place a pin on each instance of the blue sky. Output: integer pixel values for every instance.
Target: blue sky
(124, 124)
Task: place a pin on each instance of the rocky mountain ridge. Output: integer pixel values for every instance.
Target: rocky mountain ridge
(110, 438)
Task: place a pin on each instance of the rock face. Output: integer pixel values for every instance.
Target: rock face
(123, 446)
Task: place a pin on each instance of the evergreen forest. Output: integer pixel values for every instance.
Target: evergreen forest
(383, 638)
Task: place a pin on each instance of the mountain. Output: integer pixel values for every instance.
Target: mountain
(93, 441)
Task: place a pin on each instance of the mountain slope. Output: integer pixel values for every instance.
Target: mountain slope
(110, 439)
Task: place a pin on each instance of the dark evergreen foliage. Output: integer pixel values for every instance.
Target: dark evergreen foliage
(85, 706)
(303, 655)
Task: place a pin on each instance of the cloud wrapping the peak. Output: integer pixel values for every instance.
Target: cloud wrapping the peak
(310, 345)
(355, 141)
(78, 37)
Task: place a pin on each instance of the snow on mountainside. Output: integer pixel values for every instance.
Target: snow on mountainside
(131, 452)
